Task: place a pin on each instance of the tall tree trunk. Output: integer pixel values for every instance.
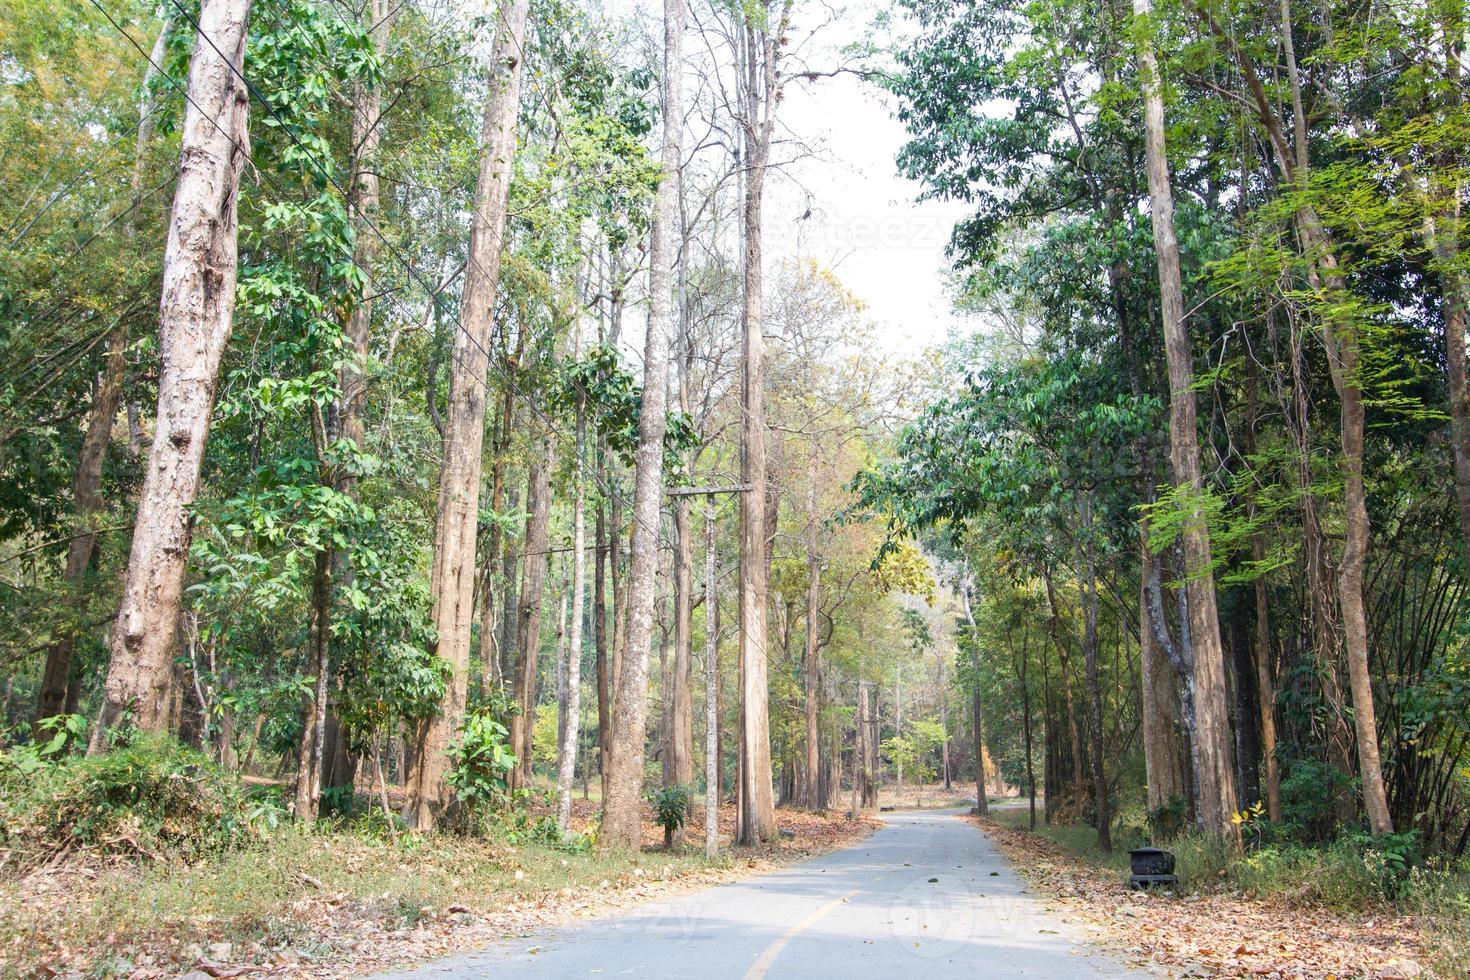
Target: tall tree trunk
(1342, 339)
(1266, 691)
(756, 816)
(1343, 356)
(1446, 248)
(621, 808)
(566, 765)
(600, 637)
(867, 750)
(1160, 705)
(1321, 587)
(314, 714)
(681, 743)
(510, 588)
(898, 725)
(452, 578)
(1247, 713)
(619, 606)
(1026, 728)
(333, 568)
(560, 659)
(1079, 788)
(944, 726)
(1215, 777)
(1442, 230)
(87, 481)
(195, 316)
(533, 592)
(1261, 649)
(1094, 688)
(491, 647)
(665, 751)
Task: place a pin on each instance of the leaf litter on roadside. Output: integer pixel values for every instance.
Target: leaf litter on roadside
(1217, 934)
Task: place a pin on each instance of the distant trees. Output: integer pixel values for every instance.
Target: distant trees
(1284, 316)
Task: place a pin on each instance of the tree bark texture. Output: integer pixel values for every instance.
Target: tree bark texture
(1215, 775)
(452, 577)
(621, 808)
(195, 317)
(810, 793)
(534, 564)
(756, 817)
(86, 488)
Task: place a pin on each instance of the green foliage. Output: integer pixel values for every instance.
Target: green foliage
(150, 799)
(1308, 790)
(54, 738)
(608, 392)
(1388, 858)
(544, 736)
(480, 760)
(1168, 821)
(914, 752)
(671, 808)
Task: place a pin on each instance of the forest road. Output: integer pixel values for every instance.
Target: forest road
(928, 895)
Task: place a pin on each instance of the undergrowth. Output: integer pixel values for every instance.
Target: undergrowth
(1355, 875)
(149, 799)
(311, 892)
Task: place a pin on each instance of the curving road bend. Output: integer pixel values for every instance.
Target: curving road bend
(927, 895)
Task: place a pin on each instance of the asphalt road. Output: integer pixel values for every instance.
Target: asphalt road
(926, 896)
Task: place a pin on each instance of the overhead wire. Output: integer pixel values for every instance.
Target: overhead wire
(506, 378)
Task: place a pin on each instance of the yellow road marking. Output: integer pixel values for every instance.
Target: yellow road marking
(758, 970)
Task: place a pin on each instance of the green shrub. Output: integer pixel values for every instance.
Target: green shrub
(53, 738)
(1332, 875)
(148, 799)
(1309, 789)
(671, 810)
(480, 762)
(1168, 821)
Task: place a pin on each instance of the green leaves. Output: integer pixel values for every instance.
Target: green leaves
(480, 762)
(613, 400)
(1019, 446)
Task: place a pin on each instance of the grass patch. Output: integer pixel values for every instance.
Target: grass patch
(307, 896)
(148, 800)
(1077, 840)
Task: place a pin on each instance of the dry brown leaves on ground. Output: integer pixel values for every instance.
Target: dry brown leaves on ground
(1216, 935)
(57, 924)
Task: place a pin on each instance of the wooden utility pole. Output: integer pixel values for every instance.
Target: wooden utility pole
(711, 688)
(566, 762)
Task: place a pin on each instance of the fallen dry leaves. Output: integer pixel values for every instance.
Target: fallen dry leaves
(324, 932)
(1221, 934)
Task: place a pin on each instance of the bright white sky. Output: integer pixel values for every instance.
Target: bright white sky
(864, 223)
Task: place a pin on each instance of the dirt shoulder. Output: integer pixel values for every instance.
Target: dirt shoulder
(1223, 934)
(341, 904)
